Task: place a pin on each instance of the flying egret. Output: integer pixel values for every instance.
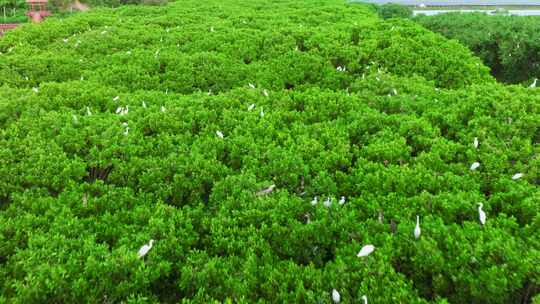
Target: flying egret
(314, 201)
(145, 248)
(364, 297)
(116, 98)
(475, 166)
(342, 200)
(417, 228)
(475, 143)
(533, 85)
(366, 250)
(335, 296)
(251, 107)
(517, 176)
(481, 214)
(328, 202)
(219, 134)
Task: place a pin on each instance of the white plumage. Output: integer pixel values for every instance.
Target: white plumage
(475, 166)
(364, 297)
(517, 176)
(366, 250)
(481, 214)
(342, 200)
(533, 85)
(116, 98)
(328, 202)
(475, 143)
(335, 296)
(219, 134)
(145, 248)
(314, 201)
(251, 107)
(417, 228)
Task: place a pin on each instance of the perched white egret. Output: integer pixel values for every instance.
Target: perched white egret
(314, 201)
(335, 296)
(145, 248)
(267, 190)
(251, 107)
(212, 29)
(26, 78)
(265, 93)
(533, 85)
(82, 78)
(144, 104)
(417, 228)
(475, 143)
(88, 112)
(35, 90)
(116, 98)
(517, 176)
(163, 109)
(394, 91)
(251, 85)
(481, 214)
(328, 202)
(65, 40)
(342, 200)
(475, 166)
(366, 250)
(119, 110)
(364, 298)
(219, 134)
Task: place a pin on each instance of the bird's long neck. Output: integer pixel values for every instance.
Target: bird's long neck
(417, 220)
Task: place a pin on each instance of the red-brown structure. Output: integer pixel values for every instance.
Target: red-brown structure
(6, 26)
(37, 10)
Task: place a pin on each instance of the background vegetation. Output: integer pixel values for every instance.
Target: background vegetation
(509, 45)
(345, 104)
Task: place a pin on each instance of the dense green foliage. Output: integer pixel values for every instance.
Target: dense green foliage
(392, 10)
(381, 112)
(509, 45)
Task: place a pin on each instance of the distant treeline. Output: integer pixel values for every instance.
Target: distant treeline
(509, 45)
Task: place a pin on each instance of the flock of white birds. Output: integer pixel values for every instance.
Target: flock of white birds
(367, 249)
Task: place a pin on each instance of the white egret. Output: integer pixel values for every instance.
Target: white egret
(116, 98)
(128, 52)
(82, 78)
(335, 296)
(262, 112)
(366, 250)
(328, 202)
(251, 85)
(212, 29)
(251, 107)
(88, 112)
(342, 200)
(119, 110)
(364, 298)
(145, 248)
(481, 214)
(265, 93)
(144, 104)
(219, 134)
(163, 109)
(65, 40)
(533, 85)
(394, 91)
(314, 201)
(475, 143)
(517, 176)
(35, 90)
(267, 190)
(26, 78)
(475, 166)
(417, 228)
